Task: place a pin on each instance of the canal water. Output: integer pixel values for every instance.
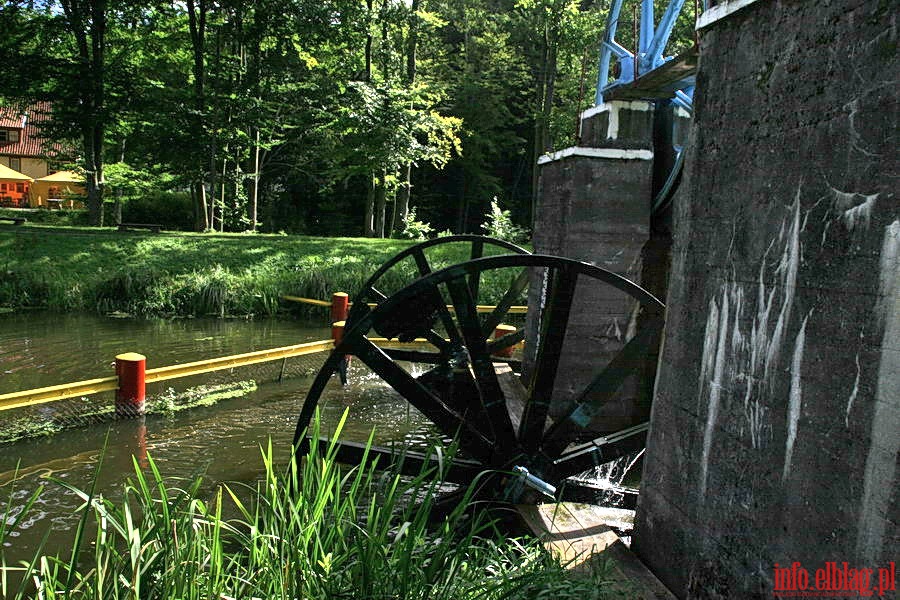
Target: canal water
(221, 442)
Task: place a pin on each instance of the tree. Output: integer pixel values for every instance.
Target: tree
(312, 116)
(86, 21)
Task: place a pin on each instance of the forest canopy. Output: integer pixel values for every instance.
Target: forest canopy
(309, 116)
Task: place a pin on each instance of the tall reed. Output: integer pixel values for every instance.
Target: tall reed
(318, 530)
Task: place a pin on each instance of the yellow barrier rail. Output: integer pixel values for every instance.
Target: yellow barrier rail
(109, 384)
(58, 392)
(482, 308)
(238, 360)
(307, 300)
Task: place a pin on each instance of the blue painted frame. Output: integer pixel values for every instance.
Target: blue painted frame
(652, 43)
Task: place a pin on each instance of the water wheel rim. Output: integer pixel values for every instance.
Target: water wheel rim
(368, 292)
(480, 442)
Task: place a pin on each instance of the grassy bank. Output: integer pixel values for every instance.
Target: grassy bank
(322, 531)
(184, 274)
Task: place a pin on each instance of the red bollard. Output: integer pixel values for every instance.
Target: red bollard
(340, 306)
(130, 395)
(499, 332)
(337, 331)
(337, 334)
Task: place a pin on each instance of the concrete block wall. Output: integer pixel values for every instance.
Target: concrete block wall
(595, 206)
(776, 415)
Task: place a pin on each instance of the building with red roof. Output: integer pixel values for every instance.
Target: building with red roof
(23, 148)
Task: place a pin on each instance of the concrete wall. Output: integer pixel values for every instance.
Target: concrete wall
(595, 206)
(776, 416)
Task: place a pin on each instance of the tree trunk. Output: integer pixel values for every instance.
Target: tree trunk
(380, 201)
(369, 224)
(86, 20)
(254, 190)
(401, 205)
(201, 207)
(117, 209)
(222, 197)
(213, 177)
(197, 25)
(98, 43)
(369, 218)
(94, 197)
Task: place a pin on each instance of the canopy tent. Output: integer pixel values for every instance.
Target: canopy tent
(7, 174)
(13, 187)
(57, 189)
(64, 177)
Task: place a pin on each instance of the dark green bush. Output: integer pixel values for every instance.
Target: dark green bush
(172, 210)
(69, 218)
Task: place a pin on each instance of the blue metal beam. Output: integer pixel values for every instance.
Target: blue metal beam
(653, 55)
(651, 45)
(609, 48)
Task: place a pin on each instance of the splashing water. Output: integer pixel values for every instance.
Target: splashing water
(608, 477)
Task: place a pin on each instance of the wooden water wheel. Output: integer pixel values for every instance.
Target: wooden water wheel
(475, 246)
(502, 423)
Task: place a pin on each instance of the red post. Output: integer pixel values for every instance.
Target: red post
(337, 334)
(337, 331)
(340, 306)
(130, 368)
(499, 332)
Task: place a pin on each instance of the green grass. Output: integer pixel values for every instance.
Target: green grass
(320, 531)
(185, 274)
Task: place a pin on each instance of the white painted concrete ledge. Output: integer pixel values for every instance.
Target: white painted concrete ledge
(720, 11)
(615, 105)
(613, 153)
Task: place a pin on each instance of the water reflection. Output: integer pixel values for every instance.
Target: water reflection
(222, 442)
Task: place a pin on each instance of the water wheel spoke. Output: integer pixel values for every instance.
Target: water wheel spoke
(475, 278)
(415, 356)
(504, 342)
(405, 461)
(492, 398)
(421, 262)
(599, 451)
(446, 318)
(438, 341)
(331, 365)
(512, 294)
(447, 420)
(602, 388)
(554, 319)
(456, 388)
(379, 295)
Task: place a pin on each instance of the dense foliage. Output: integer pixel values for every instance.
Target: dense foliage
(327, 117)
(319, 531)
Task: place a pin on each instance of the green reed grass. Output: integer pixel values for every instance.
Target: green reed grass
(318, 530)
(185, 274)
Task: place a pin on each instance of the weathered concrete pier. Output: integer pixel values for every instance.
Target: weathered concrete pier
(775, 424)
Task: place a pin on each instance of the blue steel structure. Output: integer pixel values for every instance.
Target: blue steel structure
(652, 41)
